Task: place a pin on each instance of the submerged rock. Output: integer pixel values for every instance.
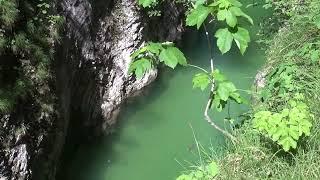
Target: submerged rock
(260, 79)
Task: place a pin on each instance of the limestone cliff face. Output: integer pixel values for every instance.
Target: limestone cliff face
(94, 63)
(91, 82)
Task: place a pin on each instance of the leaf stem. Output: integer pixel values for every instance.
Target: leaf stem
(197, 67)
(243, 90)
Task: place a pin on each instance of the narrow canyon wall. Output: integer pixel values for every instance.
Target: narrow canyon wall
(91, 81)
(95, 55)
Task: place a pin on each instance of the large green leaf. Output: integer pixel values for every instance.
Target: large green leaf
(222, 14)
(225, 39)
(185, 177)
(201, 81)
(235, 3)
(242, 38)
(138, 52)
(172, 56)
(236, 97)
(154, 47)
(217, 76)
(293, 131)
(222, 4)
(146, 3)
(225, 89)
(238, 12)
(140, 67)
(217, 103)
(199, 2)
(198, 15)
(304, 127)
(231, 19)
(213, 169)
(287, 143)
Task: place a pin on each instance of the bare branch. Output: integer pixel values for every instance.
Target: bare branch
(207, 117)
(209, 103)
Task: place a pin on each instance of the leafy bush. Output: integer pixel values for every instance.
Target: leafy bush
(287, 126)
(152, 54)
(224, 90)
(28, 32)
(291, 70)
(207, 172)
(280, 82)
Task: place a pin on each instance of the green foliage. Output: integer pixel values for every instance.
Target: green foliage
(201, 80)
(280, 82)
(288, 126)
(207, 172)
(8, 12)
(146, 3)
(155, 53)
(198, 15)
(8, 95)
(5, 105)
(254, 157)
(309, 52)
(224, 89)
(28, 32)
(225, 39)
(172, 56)
(225, 10)
(140, 66)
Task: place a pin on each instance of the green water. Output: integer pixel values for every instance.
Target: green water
(154, 130)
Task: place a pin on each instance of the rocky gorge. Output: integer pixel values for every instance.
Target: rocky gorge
(90, 81)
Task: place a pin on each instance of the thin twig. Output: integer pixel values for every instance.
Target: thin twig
(226, 133)
(200, 68)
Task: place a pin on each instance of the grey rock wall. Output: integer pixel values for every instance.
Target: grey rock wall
(91, 81)
(96, 60)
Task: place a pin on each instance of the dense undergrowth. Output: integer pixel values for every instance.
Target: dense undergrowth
(292, 69)
(28, 33)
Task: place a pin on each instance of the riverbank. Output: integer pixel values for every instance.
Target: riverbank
(292, 68)
(294, 50)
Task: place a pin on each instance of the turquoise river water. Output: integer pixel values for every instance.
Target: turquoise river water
(154, 130)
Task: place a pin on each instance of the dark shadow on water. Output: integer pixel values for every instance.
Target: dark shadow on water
(82, 156)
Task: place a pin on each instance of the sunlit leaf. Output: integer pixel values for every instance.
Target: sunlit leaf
(201, 81)
(242, 38)
(172, 56)
(238, 12)
(222, 14)
(146, 3)
(213, 169)
(140, 67)
(225, 89)
(154, 47)
(287, 143)
(225, 39)
(197, 16)
(231, 19)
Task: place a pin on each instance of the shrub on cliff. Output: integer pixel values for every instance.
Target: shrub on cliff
(28, 30)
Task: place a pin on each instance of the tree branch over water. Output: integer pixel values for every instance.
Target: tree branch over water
(209, 103)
